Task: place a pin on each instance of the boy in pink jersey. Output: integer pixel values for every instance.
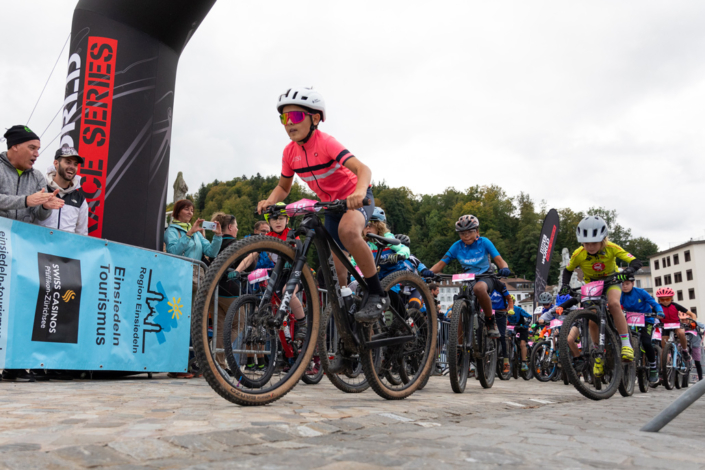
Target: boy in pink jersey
(332, 172)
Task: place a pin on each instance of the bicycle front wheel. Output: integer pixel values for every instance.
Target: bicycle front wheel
(350, 380)
(626, 388)
(541, 364)
(458, 346)
(286, 370)
(667, 371)
(413, 356)
(596, 386)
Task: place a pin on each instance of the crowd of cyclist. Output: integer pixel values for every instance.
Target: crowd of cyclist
(334, 173)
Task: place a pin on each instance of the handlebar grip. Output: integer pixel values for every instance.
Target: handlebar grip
(366, 201)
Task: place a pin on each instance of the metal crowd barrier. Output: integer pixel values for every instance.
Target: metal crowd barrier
(443, 335)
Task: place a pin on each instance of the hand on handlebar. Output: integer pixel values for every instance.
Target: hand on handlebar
(505, 272)
(263, 205)
(427, 273)
(565, 290)
(355, 200)
(233, 275)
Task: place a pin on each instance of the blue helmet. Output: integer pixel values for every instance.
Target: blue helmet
(562, 298)
(378, 214)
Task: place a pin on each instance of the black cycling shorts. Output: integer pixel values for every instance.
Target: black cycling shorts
(332, 221)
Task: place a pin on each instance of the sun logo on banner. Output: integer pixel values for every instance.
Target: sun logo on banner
(68, 295)
(176, 306)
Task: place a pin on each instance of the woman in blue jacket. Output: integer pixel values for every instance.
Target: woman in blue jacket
(183, 239)
(635, 299)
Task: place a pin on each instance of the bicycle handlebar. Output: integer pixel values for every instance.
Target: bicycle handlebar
(339, 205)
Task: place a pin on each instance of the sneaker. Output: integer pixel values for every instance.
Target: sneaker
(598, 370)
(179, 375)
(17, 375)
(492, 330)
(300, 330)
(524, 366)
(653, 376)
(578, 364)
(686, 356)
(250, 367)
(627, 354)
(505, 367)
(373, 309)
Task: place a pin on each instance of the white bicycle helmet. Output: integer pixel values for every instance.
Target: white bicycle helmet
(305, 97)
(591, 229)
(545, 298)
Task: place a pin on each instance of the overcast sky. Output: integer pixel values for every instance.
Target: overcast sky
(578, 104)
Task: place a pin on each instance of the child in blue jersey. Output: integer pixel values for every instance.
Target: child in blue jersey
(472, 251)
(635, 299)
(521, 319)
(502, 303)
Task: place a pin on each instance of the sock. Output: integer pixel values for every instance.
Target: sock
(625, 341)
(699, 368)
(652, 365)
(375, 288)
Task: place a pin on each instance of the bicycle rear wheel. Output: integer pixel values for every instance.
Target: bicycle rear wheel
(414, 355)
(285, 376)
(459, 346)
(626, 388)
(668, 373)
(642, 372)
(487, 360)
(596, 388)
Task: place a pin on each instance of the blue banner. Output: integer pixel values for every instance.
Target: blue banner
(73, 302)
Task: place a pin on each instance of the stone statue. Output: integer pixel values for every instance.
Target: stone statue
(565, 261)
(180, 187)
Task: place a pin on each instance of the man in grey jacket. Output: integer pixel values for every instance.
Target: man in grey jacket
(23, 194)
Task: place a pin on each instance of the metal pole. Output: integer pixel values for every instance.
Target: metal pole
(675, 408)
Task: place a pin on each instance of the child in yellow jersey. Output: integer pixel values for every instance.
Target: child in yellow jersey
(597, 258)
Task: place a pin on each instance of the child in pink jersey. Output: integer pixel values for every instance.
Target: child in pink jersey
(332, 172)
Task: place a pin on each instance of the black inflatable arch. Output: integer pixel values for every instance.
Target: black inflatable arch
(118, 109)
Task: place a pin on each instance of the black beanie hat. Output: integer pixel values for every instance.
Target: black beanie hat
(19, 134)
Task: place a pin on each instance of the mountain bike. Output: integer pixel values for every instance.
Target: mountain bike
(293, 276)
(544, 355)
(673, 366)
(468, 336)
(606, 349)
(641, 363)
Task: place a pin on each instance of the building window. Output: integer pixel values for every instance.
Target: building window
(691, 294)
(680, 295)
(678, 277)
(694, 310)
(663, 262)
(675, 259)
(657, 281)
(689, 275)
(668, 260)
(687, 256)
(667, 279)
(638, 282)
(655, 265)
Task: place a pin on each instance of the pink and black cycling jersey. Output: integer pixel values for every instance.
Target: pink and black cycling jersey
(319, 162)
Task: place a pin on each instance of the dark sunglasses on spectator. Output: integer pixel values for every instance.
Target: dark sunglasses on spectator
(294, 116)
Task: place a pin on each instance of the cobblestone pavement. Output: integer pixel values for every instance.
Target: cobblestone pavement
(163, 423)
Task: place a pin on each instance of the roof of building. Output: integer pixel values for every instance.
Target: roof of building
(682, 245)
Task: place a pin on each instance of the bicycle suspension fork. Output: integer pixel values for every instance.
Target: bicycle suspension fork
(291, 284)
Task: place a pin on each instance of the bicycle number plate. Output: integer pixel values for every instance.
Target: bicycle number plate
(656, 334)
(304, 205)
(635, 319)
(691, 332)
(463, 277)
(671, 326)
(592, 291)
(510, 327)
(555, 323)
(258, 275)
(538, 311)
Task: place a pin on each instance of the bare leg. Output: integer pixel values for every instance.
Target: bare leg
(483, 297)
(522, 346)
(613, 302)
(350, 233)
(572, 337)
